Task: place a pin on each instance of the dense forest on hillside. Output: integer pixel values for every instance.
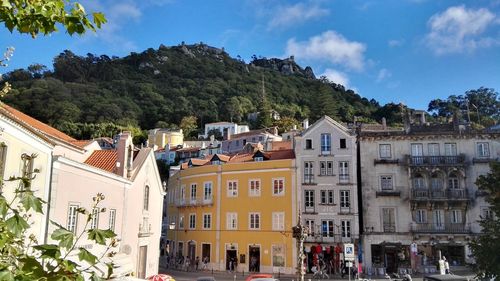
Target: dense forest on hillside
(160, 87)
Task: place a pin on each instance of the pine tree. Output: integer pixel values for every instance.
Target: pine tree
(264, 110)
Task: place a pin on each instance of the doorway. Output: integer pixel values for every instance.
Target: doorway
(254, 258)
(230, 259)
(205, 252)
(390, 261)
(143, 255)
(191, 251)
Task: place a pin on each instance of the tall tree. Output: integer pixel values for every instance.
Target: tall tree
(486, 247)
(264, 119)
(189, 126)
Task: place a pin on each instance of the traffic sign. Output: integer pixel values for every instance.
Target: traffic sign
(349, 251)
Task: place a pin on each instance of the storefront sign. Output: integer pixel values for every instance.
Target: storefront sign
(349, 251)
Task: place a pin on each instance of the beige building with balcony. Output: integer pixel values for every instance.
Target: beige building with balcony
(327, 188)
(419, 195)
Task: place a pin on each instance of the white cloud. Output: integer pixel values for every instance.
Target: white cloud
(336, 77)
(330, 46)
(396, 43)
(285, 16)
(383, 74)
(459, 30)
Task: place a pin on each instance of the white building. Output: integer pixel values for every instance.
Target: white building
(419, 192)
(327, 187)
(225, 128)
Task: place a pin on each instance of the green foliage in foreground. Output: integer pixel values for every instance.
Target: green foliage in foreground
(22, 257)
(486, 247)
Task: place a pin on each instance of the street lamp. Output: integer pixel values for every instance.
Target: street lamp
(300, 232)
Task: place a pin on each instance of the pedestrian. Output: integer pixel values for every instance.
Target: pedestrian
(235, 264)
(205, 263)
(197, 262)
(446, 266)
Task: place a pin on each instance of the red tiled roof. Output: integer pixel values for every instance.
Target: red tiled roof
(81, 143)
(39, 126)
(103, 159)
(280, 154)
(189, 149)
(281, 145)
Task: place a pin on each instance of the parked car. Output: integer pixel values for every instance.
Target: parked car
(445, 277)
(259, 276)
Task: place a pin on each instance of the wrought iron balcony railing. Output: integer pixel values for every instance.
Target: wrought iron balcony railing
(440, 228)
(435, 160)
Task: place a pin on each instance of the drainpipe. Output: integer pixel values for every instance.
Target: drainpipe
(47, 222)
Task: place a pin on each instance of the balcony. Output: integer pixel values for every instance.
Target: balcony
(310, 210)
(443, 228)
(484, 160)
(389, 227)
(194, 202)
(393, 192)
(416, 161)
(145, 230)
(424, 194)
(386, 161)
(315, 238)
(345, 210)
(308, 179)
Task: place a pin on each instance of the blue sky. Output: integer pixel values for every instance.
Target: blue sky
(408, 51)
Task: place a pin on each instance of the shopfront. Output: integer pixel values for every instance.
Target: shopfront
(390, 257)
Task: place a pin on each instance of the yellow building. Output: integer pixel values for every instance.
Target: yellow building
(162, 137)
(241, 207)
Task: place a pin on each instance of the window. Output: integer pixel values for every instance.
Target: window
(322, 168)
(309, 200)
(72, 217)
(343, 143)
(261, 138)
(345, 227)
(278, 221)
(3, 156)
(181, 221)
(311, 225)
(329, 168)
(384, 150)
(453, 182)
(215, 162)
(450, 149)
(483, 149)
(345, 200)
(193, 192)
(232, 188)
(327, 197)
(421, 216)
(183, 193)
(146, 198)
(207, 221)
(433, 149)
(254, 221)
(386, 182)
(327, 228)
(309, 144)
(192, 221)
(254, 186)
(486, 213)
(258, 159)
(326, 143)
(436, 182)
(278, 186)
(308, 172)
(94, 220)
(344, 171)
(456, 216)
(207, 191)
(278, 254)
(232, 221)
(112, 219)
(418, 181)
(388, 220)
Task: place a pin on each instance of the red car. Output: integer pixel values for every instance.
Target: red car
(261, 275)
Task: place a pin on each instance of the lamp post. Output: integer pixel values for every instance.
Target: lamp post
(300, 232)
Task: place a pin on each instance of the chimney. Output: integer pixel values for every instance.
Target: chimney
(275, 131)
(125, 151)
(305, 124)
(295, 127)
(384, 123)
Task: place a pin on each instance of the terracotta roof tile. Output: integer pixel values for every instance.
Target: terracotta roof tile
(103, 159)
(81, 143)
(40, 126)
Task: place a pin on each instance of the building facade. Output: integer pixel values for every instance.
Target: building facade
(419, 195)
(263, 136)
(162, 137)
(327, 193)
(242, 208)
(226, 129)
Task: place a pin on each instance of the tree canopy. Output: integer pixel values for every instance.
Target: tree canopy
(35, 17)
(486, 247)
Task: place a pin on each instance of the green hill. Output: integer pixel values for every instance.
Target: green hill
(172, 82)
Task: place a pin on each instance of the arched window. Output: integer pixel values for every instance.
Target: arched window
(418, 181)
(146, 198)
(453, 182)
